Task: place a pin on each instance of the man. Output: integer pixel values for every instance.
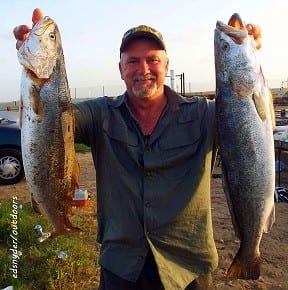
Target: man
(152, 150)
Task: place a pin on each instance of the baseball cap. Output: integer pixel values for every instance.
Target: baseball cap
(141, 31)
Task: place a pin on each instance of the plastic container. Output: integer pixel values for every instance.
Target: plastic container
(81, 198)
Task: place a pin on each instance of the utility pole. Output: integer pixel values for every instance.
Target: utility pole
(183, 84)
(182, 81)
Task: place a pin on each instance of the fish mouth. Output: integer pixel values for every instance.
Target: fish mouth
(235, 29)
(35, 59)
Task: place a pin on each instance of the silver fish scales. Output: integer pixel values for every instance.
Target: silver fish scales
(245, 120)
(47, 122)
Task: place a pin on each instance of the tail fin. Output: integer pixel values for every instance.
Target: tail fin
(246, 270)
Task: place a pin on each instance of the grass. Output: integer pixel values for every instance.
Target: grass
(38, 267)
(81, 148)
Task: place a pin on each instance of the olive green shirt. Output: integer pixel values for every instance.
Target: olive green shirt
(152, 192)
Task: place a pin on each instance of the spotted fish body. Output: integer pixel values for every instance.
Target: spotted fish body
(245, 120)
(47, 125)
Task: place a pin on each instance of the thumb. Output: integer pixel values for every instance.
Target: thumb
(37, 16)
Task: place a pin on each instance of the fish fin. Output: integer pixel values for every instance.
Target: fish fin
(68, 228)
(260, 105)
(270, 99)
(20, 112)
(35, 205)
(229, 201)
(246, 270)
(74, 185)
(37, 104)
(63, 232)
(270, 220)
(272, 111)
(75, 173)
(76, 166)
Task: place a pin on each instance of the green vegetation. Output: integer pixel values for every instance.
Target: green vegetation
(38, 266)
(81, 148)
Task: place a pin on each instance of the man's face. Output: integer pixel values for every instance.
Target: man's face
(143, 68)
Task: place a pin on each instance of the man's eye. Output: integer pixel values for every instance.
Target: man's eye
(132, 61)
(154, 60)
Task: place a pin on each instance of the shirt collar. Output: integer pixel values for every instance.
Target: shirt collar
(174, 99)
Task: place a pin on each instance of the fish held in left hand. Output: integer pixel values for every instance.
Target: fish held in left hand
(245, 121)
(47, 126)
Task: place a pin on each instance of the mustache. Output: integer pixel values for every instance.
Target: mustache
(144, 77)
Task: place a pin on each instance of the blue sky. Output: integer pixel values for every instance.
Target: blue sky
(91, 33)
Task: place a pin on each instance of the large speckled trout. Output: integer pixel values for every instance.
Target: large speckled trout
(245, 120)
(47, 122)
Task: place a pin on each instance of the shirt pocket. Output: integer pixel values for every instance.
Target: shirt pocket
(186, 132)
(118, 131)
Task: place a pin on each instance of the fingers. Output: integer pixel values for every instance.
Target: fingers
(21, 32)
(37, 16)
(255, 31)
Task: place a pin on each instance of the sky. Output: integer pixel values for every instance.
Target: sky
(91, 33)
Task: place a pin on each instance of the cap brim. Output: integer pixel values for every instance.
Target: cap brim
(138, 35)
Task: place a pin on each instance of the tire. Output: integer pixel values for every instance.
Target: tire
(11, 166)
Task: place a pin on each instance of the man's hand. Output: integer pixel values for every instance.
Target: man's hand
(21, 32)
(255, 31)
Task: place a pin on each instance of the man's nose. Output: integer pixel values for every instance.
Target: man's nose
(144, 66)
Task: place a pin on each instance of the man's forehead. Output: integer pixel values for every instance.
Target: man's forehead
(152, 53)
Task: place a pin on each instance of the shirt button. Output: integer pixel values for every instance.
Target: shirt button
(147, 149)
(147, 203)
(148, 173)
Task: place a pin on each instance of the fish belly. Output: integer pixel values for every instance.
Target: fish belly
(247, 153)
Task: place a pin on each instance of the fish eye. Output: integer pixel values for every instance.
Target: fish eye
(225, 46)
(52, 35)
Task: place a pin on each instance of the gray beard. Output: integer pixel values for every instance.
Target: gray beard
(144, 92)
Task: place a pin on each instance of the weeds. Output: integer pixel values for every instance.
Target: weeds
(81, 148)
(37, 264)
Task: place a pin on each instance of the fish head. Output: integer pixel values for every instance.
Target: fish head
(236, 60)
(39, 52)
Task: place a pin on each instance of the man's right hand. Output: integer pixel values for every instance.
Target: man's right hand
(21, 32)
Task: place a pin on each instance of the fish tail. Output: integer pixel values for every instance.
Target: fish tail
(74, 186)
(75, 173)
(246, 270)
(65, 229)
(270, 220)
(35, 205)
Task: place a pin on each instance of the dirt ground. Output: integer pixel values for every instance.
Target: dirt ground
(274, 245)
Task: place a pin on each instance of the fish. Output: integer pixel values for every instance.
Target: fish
(47, 126)
(245, 121)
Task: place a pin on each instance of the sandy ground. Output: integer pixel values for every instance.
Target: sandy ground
(274, 246)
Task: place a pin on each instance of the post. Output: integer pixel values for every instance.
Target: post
(183, 84)
(172, 79)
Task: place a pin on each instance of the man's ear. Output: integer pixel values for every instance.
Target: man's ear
(167, 64)
(120, 69)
